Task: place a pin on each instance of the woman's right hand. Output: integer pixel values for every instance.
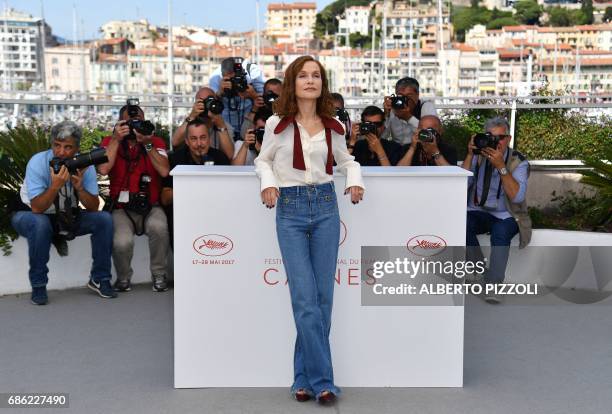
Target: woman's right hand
(269, 196)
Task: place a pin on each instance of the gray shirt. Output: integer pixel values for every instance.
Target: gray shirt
(400, 130)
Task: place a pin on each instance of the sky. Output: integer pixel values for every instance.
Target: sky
(232, 15)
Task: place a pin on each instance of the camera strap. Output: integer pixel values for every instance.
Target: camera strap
(487, 182)
(138, 231)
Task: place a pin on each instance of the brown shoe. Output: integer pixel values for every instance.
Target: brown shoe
(301, 395)
(327, 398)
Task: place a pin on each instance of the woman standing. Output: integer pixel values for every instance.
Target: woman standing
(300, 145)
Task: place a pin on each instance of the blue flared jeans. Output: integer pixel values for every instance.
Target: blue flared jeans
(308, 230)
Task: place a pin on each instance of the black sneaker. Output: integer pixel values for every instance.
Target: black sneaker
(123, 286)
(39, 295)
(102, 288)
(160, 284)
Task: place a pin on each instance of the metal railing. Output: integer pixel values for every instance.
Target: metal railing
(97, 110)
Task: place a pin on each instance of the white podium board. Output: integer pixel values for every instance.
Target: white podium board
(233, 325)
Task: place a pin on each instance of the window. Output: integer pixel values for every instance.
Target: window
(55, 73)
(54, 60)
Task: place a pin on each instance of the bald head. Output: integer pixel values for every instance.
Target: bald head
(204, 93)
(431, 121)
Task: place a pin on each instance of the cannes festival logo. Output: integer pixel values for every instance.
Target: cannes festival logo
(343, 232)
(213, 245)
(426, 245)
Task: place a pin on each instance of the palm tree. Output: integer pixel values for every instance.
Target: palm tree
(17, 146)
(600, 177)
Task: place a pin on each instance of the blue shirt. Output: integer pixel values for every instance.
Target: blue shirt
(497, 206)
(38, 180)
(239, 107)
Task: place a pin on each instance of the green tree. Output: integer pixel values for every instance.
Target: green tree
(587, 11)
(608, 15)
(326, 21)
(528, 12)
(559, 17)
(501, 22)
(464, 18)
(474, 4)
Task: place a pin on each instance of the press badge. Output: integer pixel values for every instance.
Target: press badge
(124, 196)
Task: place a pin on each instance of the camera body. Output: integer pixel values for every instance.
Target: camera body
(367, 127)
(139, 202)
(342, 114)
(399, 102)
(142, 127)
(485, 140)
(259, 136)
(428, 135)
(95, 157)
(65, 225)
(269, 98)
(212, 105)
(239, 80)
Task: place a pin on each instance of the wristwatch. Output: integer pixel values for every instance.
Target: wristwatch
(502, 171)
(187, 120)
(221, 129)
(148, 146)
(435, 155)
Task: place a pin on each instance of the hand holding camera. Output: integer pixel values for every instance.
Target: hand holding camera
(428, 138)
(374, 143)
(121, 130)
(249, 138)
(59, 178)
(226, 85)
(77, 180)
(197, 109)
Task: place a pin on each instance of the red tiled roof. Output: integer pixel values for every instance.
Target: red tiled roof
(291, 6)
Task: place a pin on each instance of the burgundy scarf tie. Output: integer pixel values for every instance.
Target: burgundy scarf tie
(298, 154)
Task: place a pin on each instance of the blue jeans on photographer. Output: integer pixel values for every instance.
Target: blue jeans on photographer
(502, 232)
(308, 230)
(38, 230)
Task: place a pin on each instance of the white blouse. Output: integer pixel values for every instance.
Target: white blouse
(274, 165)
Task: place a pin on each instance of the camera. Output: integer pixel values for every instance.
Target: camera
(143, 127)
(65, 224)
(269, 98)
(428, 135)
(399, 101)
(259, 136)
(139, 202)
(133, 107)
(239, 80)
(95, 157)
(342, 114)
(486, 140)
(367, 127)
(212, 105)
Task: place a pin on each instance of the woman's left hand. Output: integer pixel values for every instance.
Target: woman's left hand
(356, 194)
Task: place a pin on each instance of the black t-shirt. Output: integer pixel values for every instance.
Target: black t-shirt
(420, 158)
(182, 156)
(367, 158)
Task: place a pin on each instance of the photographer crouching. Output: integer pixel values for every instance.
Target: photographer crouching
(137, 161)
(55, 182)
(496, 198)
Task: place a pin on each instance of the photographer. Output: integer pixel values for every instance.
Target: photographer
(208, 108)
(496, 197)
(272, 91)
(196, 151)
(239, 83)
(404, 110)
(136, 162)
(427, 146)
(52, 190)
(342, 114)
(372, 151)
(248, 150)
